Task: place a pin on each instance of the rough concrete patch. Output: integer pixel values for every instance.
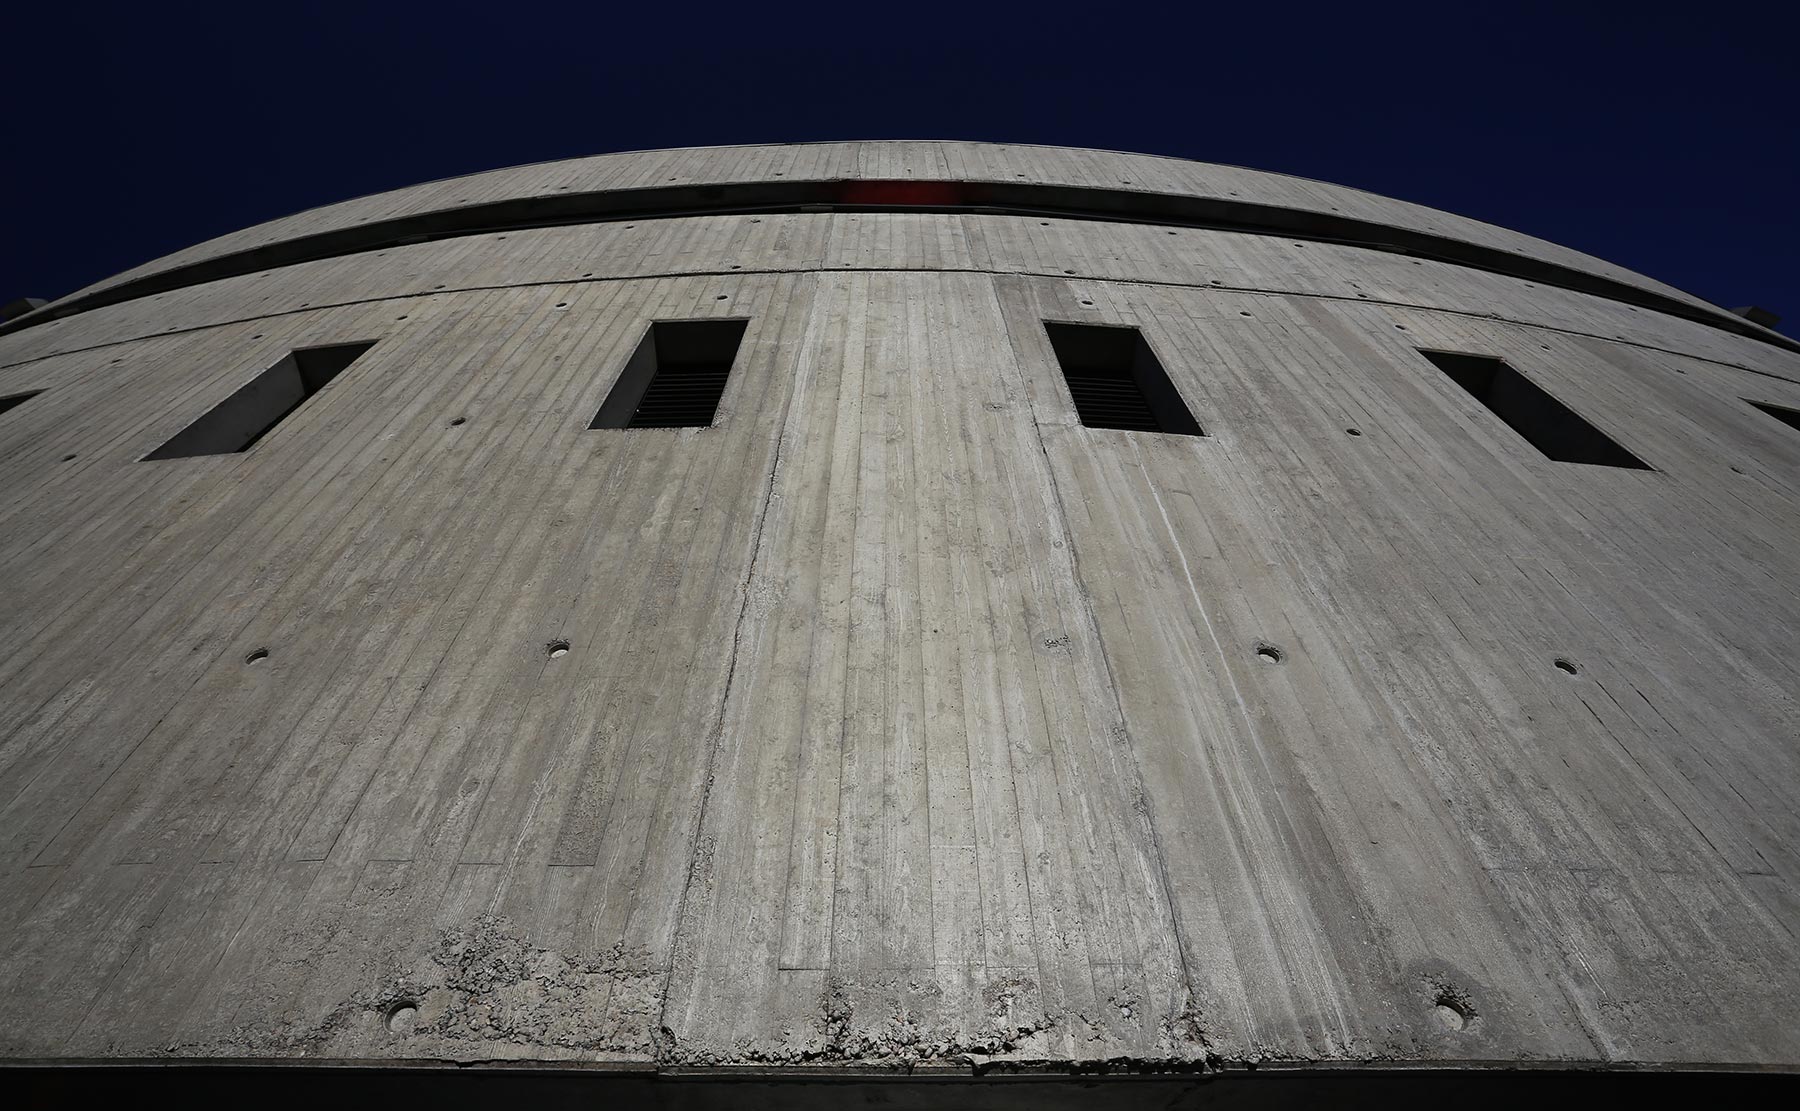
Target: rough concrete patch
(893, 1021)
(497, 987)
(478, 990)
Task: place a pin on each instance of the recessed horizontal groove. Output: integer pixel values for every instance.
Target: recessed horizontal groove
(537, 283)
(1069, 202)
(1548, 329)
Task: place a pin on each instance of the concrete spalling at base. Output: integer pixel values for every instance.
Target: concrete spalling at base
(844, 609)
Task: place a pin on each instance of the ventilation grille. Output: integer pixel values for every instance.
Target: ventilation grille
(676, 376)
(1789, 417)
(1116, 381)
(1531, 411)
(17, 399)
(1107, 400)
(238, 422)
(681, 396)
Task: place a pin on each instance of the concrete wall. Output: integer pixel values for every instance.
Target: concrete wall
(904, 718)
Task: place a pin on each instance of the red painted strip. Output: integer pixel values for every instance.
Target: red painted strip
(903, 192)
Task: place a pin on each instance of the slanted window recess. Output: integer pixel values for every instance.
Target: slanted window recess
(1549, 425)
(245, 417)
(1116, 380)
(676, 376)
(1789, 417)
(17, 400)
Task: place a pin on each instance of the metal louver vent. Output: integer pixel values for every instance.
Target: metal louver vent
(1528, 409)
(1116, 381)
(241, 420)
(676, 376)
(1789, 417)
(17, 399)
(1108, 400)
(681, 396)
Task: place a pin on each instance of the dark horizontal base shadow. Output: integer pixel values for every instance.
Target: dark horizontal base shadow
(552, 1088)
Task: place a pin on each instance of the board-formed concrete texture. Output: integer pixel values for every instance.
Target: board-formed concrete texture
(897, 718)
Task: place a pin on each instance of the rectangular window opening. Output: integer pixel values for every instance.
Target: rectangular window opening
(238, 422)
(17, 400)
(1549, 425)
(675, 377)
(1116, 380)
(1789, 417)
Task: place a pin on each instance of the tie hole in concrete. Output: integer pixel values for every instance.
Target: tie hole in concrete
(401, 1016)
(1452, 1009)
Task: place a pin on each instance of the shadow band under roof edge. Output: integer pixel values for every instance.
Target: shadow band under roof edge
(863, 195)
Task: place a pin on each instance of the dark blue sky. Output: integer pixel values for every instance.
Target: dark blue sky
(1661, 140)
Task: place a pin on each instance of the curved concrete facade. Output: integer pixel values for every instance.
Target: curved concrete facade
(1422, 709)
